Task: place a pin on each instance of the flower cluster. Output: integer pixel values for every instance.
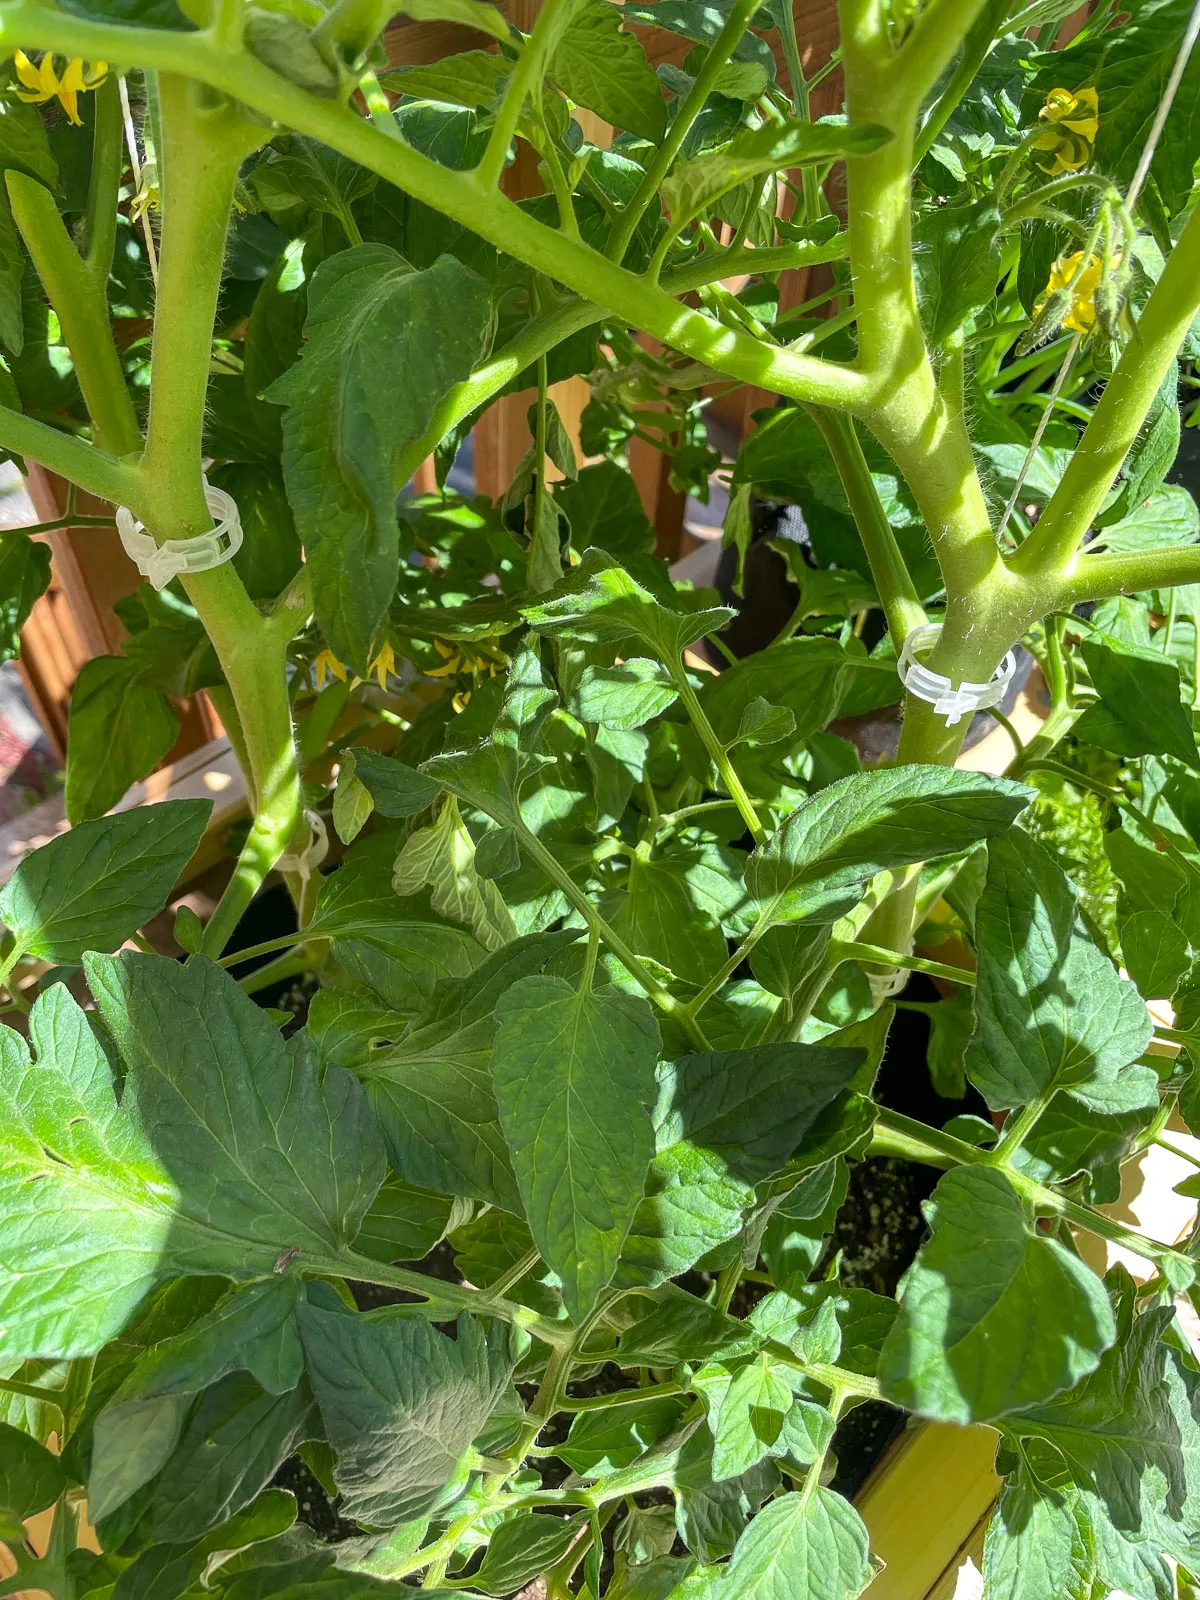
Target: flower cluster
(1071, 123)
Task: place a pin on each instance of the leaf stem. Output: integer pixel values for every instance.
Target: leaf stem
(524, 81)
(662, 998)
(719, 52)
(851, 950)
(897, 593)
(33, 1391)
(717, 751)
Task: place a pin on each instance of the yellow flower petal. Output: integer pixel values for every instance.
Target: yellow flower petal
(26, 71)
(325, 664)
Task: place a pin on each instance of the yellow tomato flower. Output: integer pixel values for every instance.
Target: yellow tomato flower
(1072, 121)
(42, 82)
(327, 665)
(1082, 282)
(474, 659)
(383, 664)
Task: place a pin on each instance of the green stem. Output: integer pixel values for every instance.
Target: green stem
(662, 998)
(1017, 1128)
(976, 48)
(717, 752)
(359, 1269)
(82, 310)
(457, 195)
(660, 163)
(202, 147)
(524, 82)
(1098, 577)
(33, 1391)
(1052, 549)
(810, 188)
(895, 1135)
(348, 27)
(875, 955)
(623, 1397)
(94, 471)
(897, 593)
(108, 163)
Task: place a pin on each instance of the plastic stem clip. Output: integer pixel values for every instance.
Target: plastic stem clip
(949, 700)
(162, 562)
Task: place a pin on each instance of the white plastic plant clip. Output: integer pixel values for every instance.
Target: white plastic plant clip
(162, 562)
(949, 700)
(306, 862)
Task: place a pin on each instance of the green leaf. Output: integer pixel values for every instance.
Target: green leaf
(397, 790)
(24, 578)
(470, 78)
(31, 1478)
(723, 1122)
(12, 312)
(957, 261)
(1051, 1012)
(491, 774)
(811, 869)
(270, 555)
(599, 66)
(801, 1547)
(710, 1516)
(657, 917)
(1169, 516)
(93, 887)
(470, 13)
(392, 945)
(1057, 1541)
(695, 186)
(611, 1437)
(178, 1568)
(757, 1414)
(24, 146)
(401, 1403)
(1140, 711)
(599, 603)
(605, 510)
(1127, 1434)
(369, 316)
(624, 696)
(1156, 953)
(574, 1077)
(301, 169)
(352, 803)
(405, 1222)
(253, 1330)
(762, 724)
(118, 731)
(235, 1443)
(523, 1548)
(443, 856)
(682, 1328)
(249, 1158)
(432, 1091)
(994, 1317)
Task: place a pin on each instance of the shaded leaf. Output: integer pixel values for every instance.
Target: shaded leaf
(574, 1077)
(401, 1403)
(993, 1316)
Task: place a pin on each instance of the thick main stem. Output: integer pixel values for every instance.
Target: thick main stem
(202, 147)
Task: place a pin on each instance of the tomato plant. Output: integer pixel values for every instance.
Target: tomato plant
(522, 1242)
